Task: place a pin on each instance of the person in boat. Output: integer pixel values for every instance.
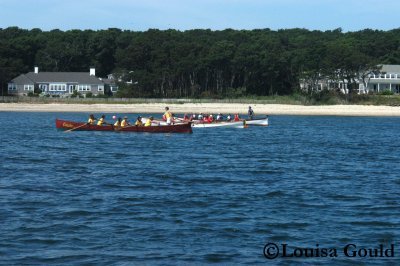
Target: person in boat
(237, 118)
(167, 116)
(125, 122)
(200, 116)
(220, 117)
(193, 117)
(229, 118)
(118, 122)
(139, 121)
(102, 121)
(91, 120)
(250, 113)
(210, 118)
(148, 122)
(185, 117)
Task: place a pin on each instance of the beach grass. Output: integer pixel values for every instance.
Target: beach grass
(294, 99)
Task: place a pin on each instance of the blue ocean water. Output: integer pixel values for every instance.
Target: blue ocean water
(215, 196)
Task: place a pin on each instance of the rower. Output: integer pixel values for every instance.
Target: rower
(236, 117)
(118, 122)
(148, 122)
(102, 121)
(139, 121)
(125, 122)
(91, 119)
(168, 115)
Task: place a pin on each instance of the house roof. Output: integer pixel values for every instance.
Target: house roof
(23, 80)
(391, 69)
(110, 82)
(54, 77)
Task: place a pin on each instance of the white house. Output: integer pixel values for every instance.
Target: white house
(387, 79)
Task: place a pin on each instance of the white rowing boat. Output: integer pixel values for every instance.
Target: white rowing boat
(237, 124)
(258, 122)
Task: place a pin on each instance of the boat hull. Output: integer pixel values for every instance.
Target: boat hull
(238, 124)
(79, 126)
(258, 122)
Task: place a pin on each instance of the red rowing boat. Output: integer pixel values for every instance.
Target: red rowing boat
(177, 128)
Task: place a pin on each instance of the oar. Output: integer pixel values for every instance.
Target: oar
(69, 130)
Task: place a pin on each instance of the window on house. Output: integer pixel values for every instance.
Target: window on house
(28, 87)
(57, 87)
(12, 87)
(84, 88)
(43, 87)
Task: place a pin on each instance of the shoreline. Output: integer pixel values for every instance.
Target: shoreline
(213, 108)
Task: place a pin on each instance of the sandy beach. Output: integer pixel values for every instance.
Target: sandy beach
(225, 108)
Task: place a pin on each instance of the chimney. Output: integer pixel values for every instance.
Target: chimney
(92, 71)
(36, 70)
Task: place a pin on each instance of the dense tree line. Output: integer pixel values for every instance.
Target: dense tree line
(200, 63)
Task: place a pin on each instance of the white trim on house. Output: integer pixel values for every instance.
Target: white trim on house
(385, 76)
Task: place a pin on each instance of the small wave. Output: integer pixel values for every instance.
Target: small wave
(374, 223)
(275, 194)
(218, 258)
(77, 213)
